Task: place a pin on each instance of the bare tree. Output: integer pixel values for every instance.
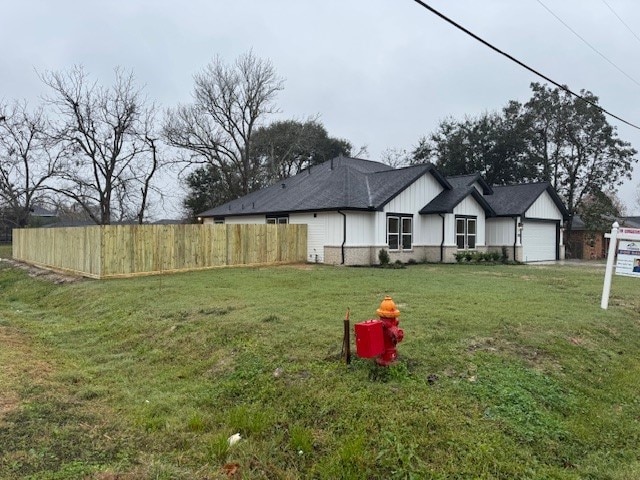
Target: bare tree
(107, 132)
(28, 159)
(229, 101)
(395, 157)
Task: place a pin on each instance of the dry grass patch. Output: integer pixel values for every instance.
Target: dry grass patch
(20, 366)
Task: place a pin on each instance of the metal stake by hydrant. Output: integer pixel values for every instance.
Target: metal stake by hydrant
(378, 338)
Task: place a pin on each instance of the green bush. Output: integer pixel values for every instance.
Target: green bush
(504, 258)
(459, 256)
(494, 256)
(383, 257)
(476, 257)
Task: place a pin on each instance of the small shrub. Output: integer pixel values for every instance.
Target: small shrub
(494, 256)
(383, 257)
(477, 257)
(412, 261)
(398, 264)
(459, 256)
(504, 258)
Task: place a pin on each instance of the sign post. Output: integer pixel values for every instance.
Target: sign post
(608, 273)
(628, 256)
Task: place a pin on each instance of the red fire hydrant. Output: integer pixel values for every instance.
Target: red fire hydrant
(378, 338)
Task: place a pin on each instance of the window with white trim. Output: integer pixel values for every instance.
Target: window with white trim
(399, 232)
(466, 232)
(278, 220)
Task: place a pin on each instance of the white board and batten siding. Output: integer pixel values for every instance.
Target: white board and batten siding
(411, 201)
(471, 208)
(540, 230)
(326, 229)
(323, 228)
(544, 208)
(430, 229)
(501, 231)
(316, 233)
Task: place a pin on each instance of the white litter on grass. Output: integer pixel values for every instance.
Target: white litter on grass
(233, 439)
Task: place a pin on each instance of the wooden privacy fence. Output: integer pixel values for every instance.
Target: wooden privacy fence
(126, 250)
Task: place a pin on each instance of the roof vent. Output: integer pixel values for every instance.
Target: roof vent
(284, 185)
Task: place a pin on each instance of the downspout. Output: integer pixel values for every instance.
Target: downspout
(344, 234)
(515, 236)
(442, 243)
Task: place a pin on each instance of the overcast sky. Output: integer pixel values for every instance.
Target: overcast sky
(380, 73)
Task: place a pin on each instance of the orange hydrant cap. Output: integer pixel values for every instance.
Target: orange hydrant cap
(388, 308)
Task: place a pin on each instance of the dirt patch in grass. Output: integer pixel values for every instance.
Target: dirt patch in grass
(45, 274)
(21, 366)
(534, 357)
(8, 403)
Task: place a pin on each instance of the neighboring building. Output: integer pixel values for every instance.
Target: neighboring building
(38, 217)
(588, 244)
(355, 207)
(41, 216)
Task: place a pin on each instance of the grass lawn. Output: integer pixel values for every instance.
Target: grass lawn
(5, 250)
(505, 372)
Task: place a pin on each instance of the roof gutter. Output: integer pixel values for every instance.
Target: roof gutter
(344, 235)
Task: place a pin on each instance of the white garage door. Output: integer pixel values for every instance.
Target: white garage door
(538, 241)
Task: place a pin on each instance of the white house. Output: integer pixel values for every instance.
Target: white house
(355, 207)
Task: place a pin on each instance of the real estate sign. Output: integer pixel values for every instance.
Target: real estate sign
(628, 255)
(628, 258)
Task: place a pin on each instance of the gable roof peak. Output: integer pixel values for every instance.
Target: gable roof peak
(469, 179)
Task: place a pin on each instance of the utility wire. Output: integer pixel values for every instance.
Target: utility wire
(522, 64)
(588, 44)
(621, 20)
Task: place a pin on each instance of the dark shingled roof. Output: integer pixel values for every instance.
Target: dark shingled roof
(341, 183)
(630, 222)
(508, 200)
(38, 211)
(466, 180)
(447, 200)
(357, 184)
(462, 186)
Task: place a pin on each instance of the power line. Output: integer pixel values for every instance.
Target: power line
(588, 44)
(522, 64)
(621, 20)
